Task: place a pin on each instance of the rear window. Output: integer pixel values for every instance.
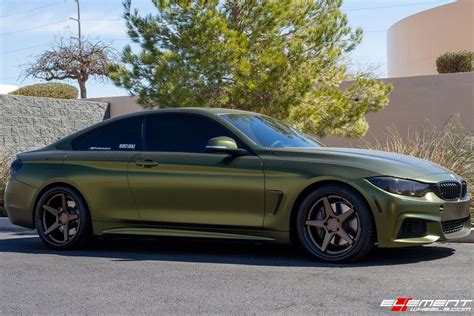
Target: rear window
(124, 135)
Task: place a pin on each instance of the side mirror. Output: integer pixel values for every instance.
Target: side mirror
(224, 145)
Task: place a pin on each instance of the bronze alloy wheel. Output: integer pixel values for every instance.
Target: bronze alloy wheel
(62, 219)
(333, 225)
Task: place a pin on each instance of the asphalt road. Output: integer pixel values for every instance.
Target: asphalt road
(176, 276)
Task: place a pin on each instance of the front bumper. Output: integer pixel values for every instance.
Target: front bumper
(404, 221)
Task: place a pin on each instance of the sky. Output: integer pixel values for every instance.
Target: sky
(27, 27)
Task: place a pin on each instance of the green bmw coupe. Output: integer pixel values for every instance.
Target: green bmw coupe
(219, 173)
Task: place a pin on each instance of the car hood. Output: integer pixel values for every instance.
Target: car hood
(375, 162)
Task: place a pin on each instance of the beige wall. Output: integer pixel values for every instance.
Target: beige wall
(415, 100)
(120, 105)
(414, 43)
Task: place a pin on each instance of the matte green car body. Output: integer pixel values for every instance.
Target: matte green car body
(254, 196)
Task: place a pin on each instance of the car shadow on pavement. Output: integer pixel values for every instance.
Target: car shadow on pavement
(217, 251)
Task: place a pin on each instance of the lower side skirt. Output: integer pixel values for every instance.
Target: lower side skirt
(140, 229)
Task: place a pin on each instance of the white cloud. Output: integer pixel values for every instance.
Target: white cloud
(41, 23)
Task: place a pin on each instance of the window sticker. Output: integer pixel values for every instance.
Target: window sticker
(127, 146)
(99, 148)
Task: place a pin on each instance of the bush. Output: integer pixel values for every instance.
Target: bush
(5, 160)
(450, 62)
(449, 147)
(48, 90)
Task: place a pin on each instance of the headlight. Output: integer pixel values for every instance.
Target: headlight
(401, 186)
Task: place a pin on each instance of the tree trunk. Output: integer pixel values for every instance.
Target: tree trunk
(82, 88)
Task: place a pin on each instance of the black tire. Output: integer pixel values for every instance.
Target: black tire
(314, 226)
(51, 220)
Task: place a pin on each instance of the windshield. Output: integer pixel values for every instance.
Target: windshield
(268, 132)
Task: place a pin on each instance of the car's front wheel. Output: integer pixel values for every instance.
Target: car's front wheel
(334, 224)
(62, 219)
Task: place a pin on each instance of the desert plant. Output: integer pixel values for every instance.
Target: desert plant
(450, 146)
(450, 62)
(48, 90)
(5, 160)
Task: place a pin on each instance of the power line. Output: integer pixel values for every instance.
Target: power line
(33, 9)
(392, 6)
(44, 44)
(34, 27)
(21, 49)
(353, 9)
(123, 39)
(102, 19)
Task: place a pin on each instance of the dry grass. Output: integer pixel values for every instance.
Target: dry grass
(5, 159)
(451, 147)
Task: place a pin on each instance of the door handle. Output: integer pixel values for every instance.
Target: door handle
(147, 163)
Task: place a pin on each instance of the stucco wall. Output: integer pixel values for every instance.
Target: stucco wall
(414, 43)
(415, 100)
(120, 105)
(30, 122)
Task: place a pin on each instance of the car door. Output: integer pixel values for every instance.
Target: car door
(98, 166)
(177, 181)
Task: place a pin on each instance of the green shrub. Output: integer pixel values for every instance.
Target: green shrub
(450, 62)
(451, 147)
(5, 160)
(48, 90)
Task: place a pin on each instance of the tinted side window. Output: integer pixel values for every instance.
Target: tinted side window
(119, 136)
(181, 133)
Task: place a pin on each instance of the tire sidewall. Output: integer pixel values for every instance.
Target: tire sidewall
(84, 232)
(366, 224)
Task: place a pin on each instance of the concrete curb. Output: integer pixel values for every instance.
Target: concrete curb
(468, 239)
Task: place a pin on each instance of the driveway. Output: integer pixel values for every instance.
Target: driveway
(181, 276)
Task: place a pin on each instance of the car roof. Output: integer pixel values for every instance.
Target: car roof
(194, 110)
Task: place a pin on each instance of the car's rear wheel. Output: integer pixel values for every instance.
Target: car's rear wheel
(334, 224)
(62, 219)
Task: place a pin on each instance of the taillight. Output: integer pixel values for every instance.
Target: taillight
(15, 167)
